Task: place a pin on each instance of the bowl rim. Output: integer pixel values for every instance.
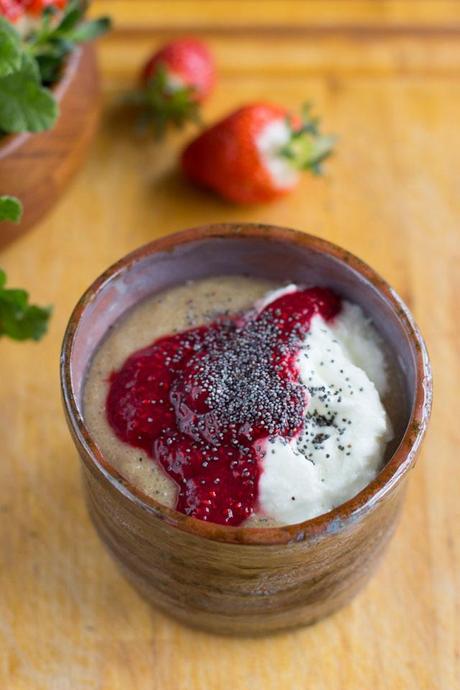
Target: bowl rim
(10, 142)
(328, 523)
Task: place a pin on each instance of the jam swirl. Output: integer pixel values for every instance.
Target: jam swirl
(204, 402)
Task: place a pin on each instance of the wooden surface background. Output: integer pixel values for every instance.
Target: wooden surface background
(385, 77)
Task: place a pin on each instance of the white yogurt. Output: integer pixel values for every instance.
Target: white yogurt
(346, 429)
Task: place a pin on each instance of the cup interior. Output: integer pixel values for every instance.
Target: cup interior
(217, 256)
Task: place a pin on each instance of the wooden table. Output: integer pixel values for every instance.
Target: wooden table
(385, 77)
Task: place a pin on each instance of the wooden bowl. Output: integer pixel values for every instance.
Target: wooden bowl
(36, 167)
(234, 579)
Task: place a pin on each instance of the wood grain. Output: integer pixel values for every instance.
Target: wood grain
(227, 15)
(68, 619)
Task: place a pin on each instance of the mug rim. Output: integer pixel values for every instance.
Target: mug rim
(328, 523)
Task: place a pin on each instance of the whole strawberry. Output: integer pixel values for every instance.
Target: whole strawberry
(175, 80)
(255, 153)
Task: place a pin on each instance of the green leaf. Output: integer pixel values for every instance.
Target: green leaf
(70, 18)
(164, 104)
(29, 67)
(51, 42)
(19, 319)
(88, 31)
(307, 148)
(50, 67)
(10, 209)
(25, 105)
(10, 48)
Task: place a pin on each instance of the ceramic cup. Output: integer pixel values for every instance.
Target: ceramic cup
(238, 580)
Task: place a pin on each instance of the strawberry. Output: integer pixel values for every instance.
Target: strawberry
(15, 9)
(175, 80)
(188, 63)
(255, 153)
(11, 10)
(37, 6)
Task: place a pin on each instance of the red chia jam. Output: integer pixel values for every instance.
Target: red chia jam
(204, 402)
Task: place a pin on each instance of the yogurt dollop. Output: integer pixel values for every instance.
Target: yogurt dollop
(346, 428)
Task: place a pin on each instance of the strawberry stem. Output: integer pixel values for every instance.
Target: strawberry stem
(307, 148)
(166, 104)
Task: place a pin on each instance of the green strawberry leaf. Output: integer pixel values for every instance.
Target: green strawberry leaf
(88, 31)
(10, 209)
(307, 148)
(52, 41)
(163, 104)
(28, 66)
(70, 18)
(10, 48)
(50, 68)
(19, 319)
(25, 105)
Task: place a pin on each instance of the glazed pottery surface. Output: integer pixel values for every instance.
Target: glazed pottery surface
(36, 166)
(237, 580)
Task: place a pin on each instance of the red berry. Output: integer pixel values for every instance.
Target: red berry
(11, 9)
(227, 159)
(254, 154)
(15, 9)
(37, 6)
(188, 63)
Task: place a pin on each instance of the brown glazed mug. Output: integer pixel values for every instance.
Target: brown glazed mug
(239, 580)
